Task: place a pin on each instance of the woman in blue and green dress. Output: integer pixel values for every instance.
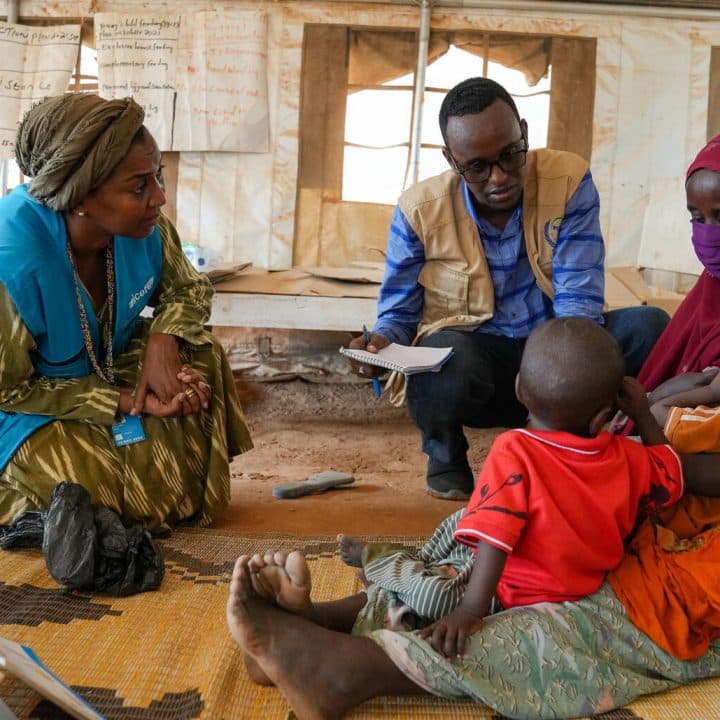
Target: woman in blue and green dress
(142, 411)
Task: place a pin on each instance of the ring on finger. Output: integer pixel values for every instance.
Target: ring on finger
(190, 393)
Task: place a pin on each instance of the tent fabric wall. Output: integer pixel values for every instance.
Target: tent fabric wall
(646, 127)
(650, 116)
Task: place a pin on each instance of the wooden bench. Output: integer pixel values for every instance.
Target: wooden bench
(294, 312)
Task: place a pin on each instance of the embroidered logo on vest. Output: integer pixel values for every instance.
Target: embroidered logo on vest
(552, 228)
(140, 294)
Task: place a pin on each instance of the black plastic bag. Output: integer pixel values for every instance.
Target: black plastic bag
(26, 530)
(87, 547)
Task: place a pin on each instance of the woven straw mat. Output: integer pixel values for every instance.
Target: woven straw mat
(167, 655)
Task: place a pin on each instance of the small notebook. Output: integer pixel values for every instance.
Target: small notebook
(407, 359)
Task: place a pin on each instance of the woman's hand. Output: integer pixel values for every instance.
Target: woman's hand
(700, 389)
(174, 408)
(683, 383)
(197, 392)
(152, 405)
(449, 634)
(714, 385)
(160, 369)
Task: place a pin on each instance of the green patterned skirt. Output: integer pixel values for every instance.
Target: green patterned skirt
(550, 660)
(180, 472)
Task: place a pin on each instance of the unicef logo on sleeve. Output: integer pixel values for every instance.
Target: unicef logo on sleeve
(552, 229)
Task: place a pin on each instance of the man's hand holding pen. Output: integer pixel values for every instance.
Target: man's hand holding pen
(372, 342)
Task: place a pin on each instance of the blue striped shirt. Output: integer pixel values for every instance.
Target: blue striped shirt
(520, 306)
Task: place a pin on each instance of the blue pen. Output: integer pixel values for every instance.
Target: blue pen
(376, 381)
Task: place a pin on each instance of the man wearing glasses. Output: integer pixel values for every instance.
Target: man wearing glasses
(477, 257)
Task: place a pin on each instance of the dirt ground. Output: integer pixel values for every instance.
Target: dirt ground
(300, 428)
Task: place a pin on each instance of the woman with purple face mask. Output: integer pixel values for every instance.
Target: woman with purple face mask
(682, 372)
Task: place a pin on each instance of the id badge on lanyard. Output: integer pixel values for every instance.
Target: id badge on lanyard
(128, 430)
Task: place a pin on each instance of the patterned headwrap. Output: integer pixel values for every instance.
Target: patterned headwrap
(707, 159)
(71, 144)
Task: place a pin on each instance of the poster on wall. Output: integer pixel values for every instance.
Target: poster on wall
(201, 77)
(37, 62)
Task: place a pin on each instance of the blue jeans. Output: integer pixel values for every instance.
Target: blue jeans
(476, 387)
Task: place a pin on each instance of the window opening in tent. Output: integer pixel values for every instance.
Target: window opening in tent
(378, 123)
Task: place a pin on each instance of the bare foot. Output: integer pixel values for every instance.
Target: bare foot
(350, 550)
(321, 673)
(282, 578)
(256, 673)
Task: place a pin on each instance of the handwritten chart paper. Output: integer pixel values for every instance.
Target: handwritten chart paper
(201, 77)
(37, 62)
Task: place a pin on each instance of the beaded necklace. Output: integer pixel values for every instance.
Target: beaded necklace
(107, 373)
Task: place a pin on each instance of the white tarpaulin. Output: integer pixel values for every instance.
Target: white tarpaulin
(201, 77)
(37, 62)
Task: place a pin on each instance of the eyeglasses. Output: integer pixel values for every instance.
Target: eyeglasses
(479, 171)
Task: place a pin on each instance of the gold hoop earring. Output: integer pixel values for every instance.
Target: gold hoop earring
(81, 213)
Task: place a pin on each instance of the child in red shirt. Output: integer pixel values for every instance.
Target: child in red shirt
(555, 502)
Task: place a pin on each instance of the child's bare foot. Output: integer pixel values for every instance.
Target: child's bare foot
(350, 550)
(282, 578)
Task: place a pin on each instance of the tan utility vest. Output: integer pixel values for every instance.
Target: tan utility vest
(456, 278)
